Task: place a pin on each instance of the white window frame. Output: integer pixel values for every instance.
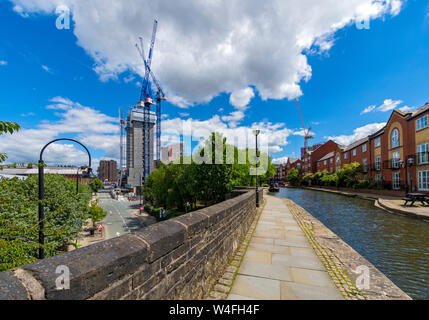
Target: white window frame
(395, 159)
(423, 178)
(422, 153)
(364, 148)
(422, 123)
(354, 152)
(378, 177)
(378, 163)
(377, 142)
(394, 138)
(396, 180)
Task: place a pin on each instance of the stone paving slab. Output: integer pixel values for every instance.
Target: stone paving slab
(280, 263)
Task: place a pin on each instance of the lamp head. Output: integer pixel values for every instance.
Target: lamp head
(256, 132)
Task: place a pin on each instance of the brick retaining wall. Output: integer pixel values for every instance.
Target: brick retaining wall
(176, 259)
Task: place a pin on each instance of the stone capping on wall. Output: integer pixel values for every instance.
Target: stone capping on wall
(196, 246)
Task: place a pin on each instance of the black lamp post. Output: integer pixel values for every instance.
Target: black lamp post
(409, 162)
(42, 191)
(256, 133)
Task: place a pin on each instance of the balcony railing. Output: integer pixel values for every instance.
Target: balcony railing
(393, 164)
(375, 166)
(420, 158)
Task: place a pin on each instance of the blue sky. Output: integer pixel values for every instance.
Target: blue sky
(70, 83)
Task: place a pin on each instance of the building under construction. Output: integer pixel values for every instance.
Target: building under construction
(141, 127)
(135, 148)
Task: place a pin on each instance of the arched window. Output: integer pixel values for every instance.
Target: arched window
(395, 138)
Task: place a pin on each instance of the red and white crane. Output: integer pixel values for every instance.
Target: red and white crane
(307, 134)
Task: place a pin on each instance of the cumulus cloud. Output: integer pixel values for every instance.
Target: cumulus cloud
(281, 160)
(272, 137)
(3, 62)
(94, 129)
(358, 133)
(368, 109)
(241, 98)
(204, 48)
(388, 105)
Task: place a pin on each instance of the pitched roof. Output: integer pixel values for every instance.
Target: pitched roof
(420, 110)
(293, 160)
(355, 144)
(327, 156)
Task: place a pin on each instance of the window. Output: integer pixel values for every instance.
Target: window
(422, 156)
(395, 138)
(345, 155)
(396, 179)
(377, 142)
(378, 177)
(331, 160)
(338, 163)
(395, 159)
(378, 163)
(424, 180)
(364, 148)
(422, 123)
(364, 163)
(354, 152)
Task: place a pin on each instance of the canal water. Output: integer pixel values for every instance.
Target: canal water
(398, 246)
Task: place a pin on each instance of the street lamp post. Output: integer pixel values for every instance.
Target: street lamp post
(256, 133)
(42, 191)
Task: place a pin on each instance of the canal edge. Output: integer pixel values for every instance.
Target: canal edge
(342, 262)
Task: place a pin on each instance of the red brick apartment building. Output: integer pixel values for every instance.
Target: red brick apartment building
(108, 171)
(397, 155)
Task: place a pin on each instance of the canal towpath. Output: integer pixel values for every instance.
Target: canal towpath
(279, 263)
(290, 255)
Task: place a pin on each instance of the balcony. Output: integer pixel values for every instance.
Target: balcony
(375, 166)
(392, 164)
(419, 159)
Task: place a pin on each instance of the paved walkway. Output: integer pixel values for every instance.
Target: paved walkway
(279, 263)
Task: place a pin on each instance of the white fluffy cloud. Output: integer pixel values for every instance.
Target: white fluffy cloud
(204, 48)
(282, 160)
(241, 98)
(388, 105)
(273, 136)
(89, 126)
(3, 62)
(358, 133)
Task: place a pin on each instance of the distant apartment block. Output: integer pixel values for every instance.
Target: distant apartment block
(172, 153)
(108, 171)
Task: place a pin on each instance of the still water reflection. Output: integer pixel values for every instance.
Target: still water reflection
(398, 246)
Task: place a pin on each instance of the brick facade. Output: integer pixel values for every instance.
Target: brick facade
(383, 159)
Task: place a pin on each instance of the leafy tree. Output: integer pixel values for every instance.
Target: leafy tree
(348, 175)
(7, 127)
(65, 214)
(294, 176)
(95, 184)
(96, 213)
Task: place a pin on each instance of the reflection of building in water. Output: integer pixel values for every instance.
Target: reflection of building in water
(171, 153)
(135, 149)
